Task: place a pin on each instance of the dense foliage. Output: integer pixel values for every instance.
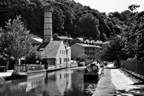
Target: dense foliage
(131, 25)
(73, 19)
(114, 51)
(69, 17)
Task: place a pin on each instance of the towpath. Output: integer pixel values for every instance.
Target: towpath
(115, 83)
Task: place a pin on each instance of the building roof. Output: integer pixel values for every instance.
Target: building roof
(50, 51)
(92, 41)
(35, 40)
(106, 42)
(87, 45)
(80, 38)
(87, 41)
(38, 39)
(67, 47)
(98, 42)
(65, 38)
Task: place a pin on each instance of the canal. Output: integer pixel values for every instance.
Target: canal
(66, 82)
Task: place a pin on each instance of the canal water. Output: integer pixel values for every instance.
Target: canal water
(66, 82)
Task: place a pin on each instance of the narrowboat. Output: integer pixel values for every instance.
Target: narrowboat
(28, 71)
(91, 72)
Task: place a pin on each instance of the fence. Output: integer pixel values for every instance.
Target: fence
(134, 67)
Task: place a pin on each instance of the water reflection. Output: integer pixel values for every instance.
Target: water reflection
(58, 82)
(33, 87)
(68, 82)
(79, 85)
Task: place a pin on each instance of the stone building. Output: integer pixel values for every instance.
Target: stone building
(92, 52)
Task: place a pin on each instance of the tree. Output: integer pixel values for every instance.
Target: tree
(55, 36)
(104, 37)
(33, 56)
(134, 46)
(114, 52)
(89, 25)
(134, 7)
(15, 41)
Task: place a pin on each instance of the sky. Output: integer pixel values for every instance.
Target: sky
(111, 5)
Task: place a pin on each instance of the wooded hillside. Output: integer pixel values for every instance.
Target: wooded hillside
(69, 17)
(75, 20)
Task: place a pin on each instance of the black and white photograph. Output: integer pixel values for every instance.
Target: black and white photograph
(71, 47)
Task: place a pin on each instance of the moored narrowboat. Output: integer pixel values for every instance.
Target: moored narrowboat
(91, 72)
(28, 71)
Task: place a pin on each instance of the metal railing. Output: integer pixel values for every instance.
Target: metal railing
(134, 67)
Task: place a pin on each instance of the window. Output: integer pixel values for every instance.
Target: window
(66, 59)
(60, 60)
(60, 76)
(66, 52)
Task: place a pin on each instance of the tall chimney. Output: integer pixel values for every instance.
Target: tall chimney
(47, 23)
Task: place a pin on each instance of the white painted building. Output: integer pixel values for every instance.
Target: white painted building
(56, 55)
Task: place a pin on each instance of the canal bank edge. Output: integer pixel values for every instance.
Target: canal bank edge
(3, 75)
(105, 87)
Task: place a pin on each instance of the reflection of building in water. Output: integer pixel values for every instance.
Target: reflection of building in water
(78, 81)
(63, 80)
(12, 89)
(23, 88)
(59, 83)
(34, 83)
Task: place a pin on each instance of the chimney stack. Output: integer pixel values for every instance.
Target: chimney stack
(47, 23)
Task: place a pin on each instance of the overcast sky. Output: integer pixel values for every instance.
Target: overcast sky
(111, 5)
